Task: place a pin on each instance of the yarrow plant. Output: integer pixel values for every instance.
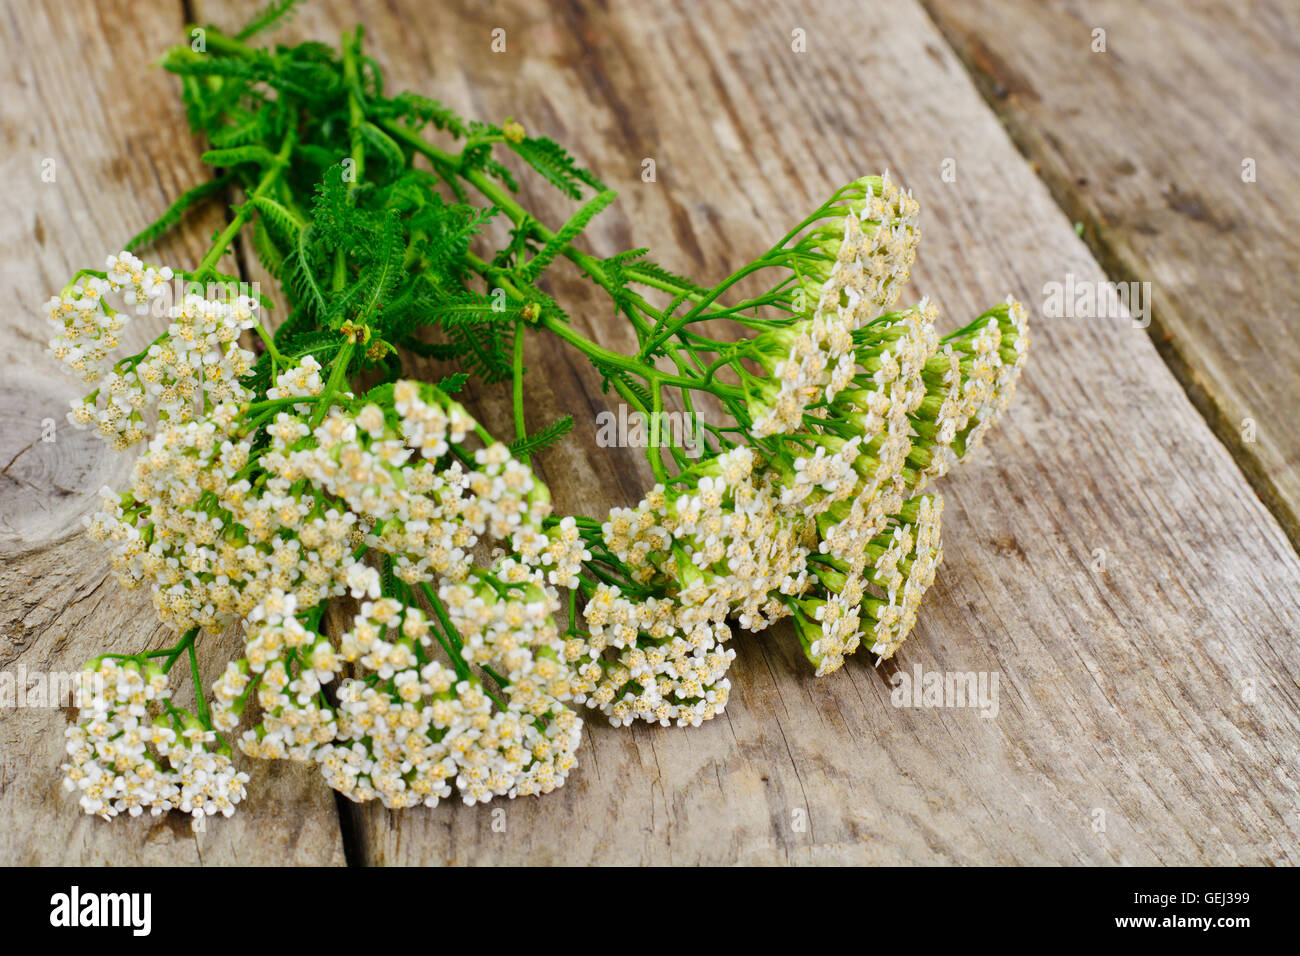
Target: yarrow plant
(134, 750)
(281, 473)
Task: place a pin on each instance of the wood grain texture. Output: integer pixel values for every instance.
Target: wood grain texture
(1144, 144)
(79, 92)
(1147, 713)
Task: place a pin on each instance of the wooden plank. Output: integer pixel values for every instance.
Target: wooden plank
(1127, 731)
(1150, 144)
(115, 130)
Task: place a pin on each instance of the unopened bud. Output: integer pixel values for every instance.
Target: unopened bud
(513, 132)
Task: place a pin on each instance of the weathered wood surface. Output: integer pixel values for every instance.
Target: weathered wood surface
(1148, 712)
(77, 90)
(1176, 148)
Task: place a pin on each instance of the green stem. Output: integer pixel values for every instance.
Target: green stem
(457, 661)
(220, 43)
(277, 360)
(517, 367)
(186, 642)
(338, 374)
(245, 211)
(596, 352)
(656, 420)
(274, 403)
(626, 363)
(695, 313)
(357, 154)
(200, 699)
(356, 107)
(500, 197)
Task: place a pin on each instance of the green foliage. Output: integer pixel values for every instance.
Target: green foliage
(336, 222)
(268, 253)
(300, 275)
(612, 375)
(240, 132)
(568, 232)
(239, 154)
(420, 110)
(387, 255)
(543, 438)
(271, 15)
(554, 162)
(380, 144)
(380, 277)
(172, 216)
(484, 350)
(283, 223)
(632, 267)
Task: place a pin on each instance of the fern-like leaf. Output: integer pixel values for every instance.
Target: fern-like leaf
(286, 223)
(421, 109)
(268, 253)
(301, 278)
(380, 278)
(443, 351)
(485, 350)
(174, 212)
(240, 154)
(380, 143)
(568, 232)
(270, 15)
(543, 438)
(554, 162)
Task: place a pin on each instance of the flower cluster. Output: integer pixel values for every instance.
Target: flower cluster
(410, 725)
(198, 362)
(211, 545)
(854, 268)
(87, 326)
(821, 517)
(132, 750)
(261, 513)
(734, 547)
(394, 480)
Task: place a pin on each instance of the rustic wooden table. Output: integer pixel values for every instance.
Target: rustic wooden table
(1121, 553)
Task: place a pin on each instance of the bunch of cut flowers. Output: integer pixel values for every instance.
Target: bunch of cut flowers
(284, 466)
